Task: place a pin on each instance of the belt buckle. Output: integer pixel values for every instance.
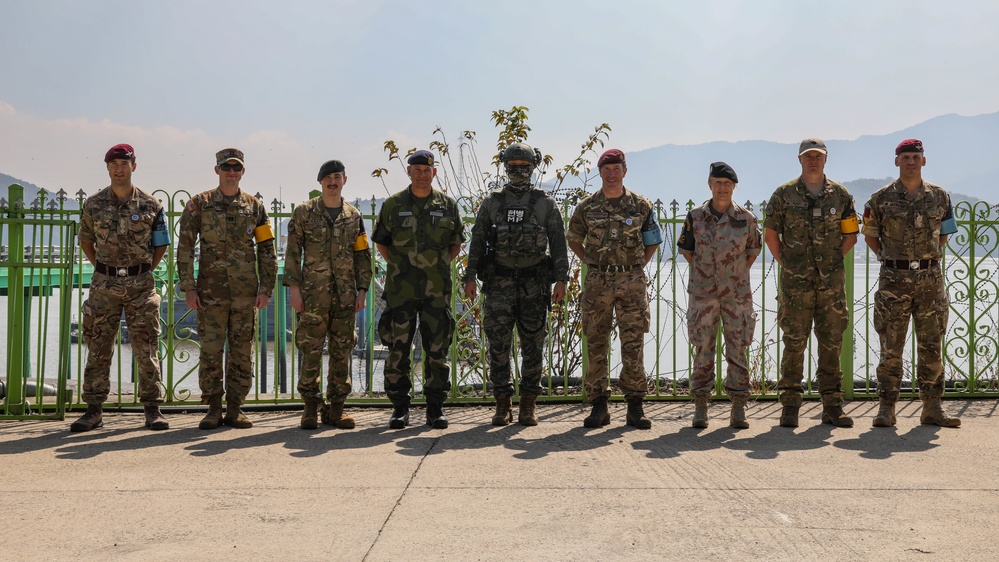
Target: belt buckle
(914, 264)
(122, 272)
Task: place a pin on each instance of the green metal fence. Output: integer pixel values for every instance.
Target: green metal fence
(45, 280)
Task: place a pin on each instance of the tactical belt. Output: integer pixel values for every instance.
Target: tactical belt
(911, 264)
(514, 273)
(617, 268)
(113, 271)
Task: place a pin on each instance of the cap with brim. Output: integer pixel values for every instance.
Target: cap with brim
(809, 145)
(227, 154)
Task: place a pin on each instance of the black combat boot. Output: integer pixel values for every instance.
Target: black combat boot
(400, 415)
(435, 414)
(92, 419)
(599, 416)
(636, 415)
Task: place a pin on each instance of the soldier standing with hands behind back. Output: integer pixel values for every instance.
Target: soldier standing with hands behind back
(327, 268)
(236, 275)
(518, 225)
(906, 223)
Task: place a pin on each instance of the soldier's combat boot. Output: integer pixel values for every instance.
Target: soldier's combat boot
(310, 414)
(435, 414)
(155, 419)
(598, 415)
(636, 415)
(527, 415)
(790, 405)
(92, 419)
(737, 419)
(701, 403)
(886, 409)
(503, 415)
(400, 415)
(234, 417)
(333, 414)
(933, 413)
(832, 410)
(213, 419)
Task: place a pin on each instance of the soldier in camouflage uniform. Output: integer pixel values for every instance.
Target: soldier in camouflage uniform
(515, 227)
(720, 240)
(236, 274)
(327, 268)
(906, 223)
(615, 233)
(418, 233)
(123, 234)
(810, 226)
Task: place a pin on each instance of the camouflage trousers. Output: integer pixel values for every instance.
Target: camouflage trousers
(799, 311)
(522, 304)
(921, 296)
(326, 321)
(108, 298)
(738, 322)
(625, 295)
(222, 320)
(397, 327)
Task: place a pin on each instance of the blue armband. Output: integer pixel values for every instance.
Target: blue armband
(948, 226)
(652, 237)
(161, 238)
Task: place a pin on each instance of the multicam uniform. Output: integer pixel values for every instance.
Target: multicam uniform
(719, 289)
(812, 283)
(911, 284)
(124, 234)
(331, 261)
(419, 234)
(614, 234)
(519, 226)
(237, 263)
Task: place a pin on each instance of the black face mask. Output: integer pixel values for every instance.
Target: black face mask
(519, 174)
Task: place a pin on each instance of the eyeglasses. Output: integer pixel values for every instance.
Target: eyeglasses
(225, 167)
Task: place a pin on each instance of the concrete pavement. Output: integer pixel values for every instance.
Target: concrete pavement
(475, 492)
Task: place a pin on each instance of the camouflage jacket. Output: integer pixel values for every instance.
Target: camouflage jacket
(520, 235)
(909, 228)
(419, 238)
(812, 230)
(327, 256)
(124, 233)
(721, 247)
(237, 246)
(612, 232)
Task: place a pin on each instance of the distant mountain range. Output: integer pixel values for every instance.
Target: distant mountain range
(960, 156)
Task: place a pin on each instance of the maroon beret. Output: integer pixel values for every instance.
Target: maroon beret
(120, 151)
(612, 156)
(909, 145)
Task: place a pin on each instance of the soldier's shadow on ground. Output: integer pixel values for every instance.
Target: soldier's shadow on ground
(779, 440)
(576, 439)
(879, 443)
(479, 436)
(97, 442)
(688, 439)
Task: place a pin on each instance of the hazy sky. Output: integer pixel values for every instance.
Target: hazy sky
(294, 83)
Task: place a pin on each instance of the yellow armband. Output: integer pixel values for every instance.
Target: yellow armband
(849, 226)
(263, 233)
(361, 243)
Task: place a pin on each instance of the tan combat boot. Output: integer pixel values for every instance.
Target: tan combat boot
(701, 403)
(503, 416)
(737, 419)
(213, 419)
(832, 410)
(790, 405)
(636, 415)
(886, 409)
(155, 419)
(92, 419)
(527, 415)
(933, 413)
(310, 414)
(234, 417)
(599, 415)
(334, 415)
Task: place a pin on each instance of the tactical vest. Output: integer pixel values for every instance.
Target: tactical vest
(518, 230)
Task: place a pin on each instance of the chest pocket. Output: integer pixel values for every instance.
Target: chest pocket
(439, 228)
(140, 227)
(518, 233)
(315, 234)
(403, 229)
(630, 227)
(104, 224)
(598, 224)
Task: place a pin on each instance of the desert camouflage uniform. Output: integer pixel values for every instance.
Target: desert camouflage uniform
(419, 234)
(520, 226)
(611, 233)
(812, 284)
(234, 267)
(330, 262)
(124, 234)
(720, 292)
(909, 231)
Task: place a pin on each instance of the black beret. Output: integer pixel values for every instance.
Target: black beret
(330, 167)
(421, 158)
(723, 170)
